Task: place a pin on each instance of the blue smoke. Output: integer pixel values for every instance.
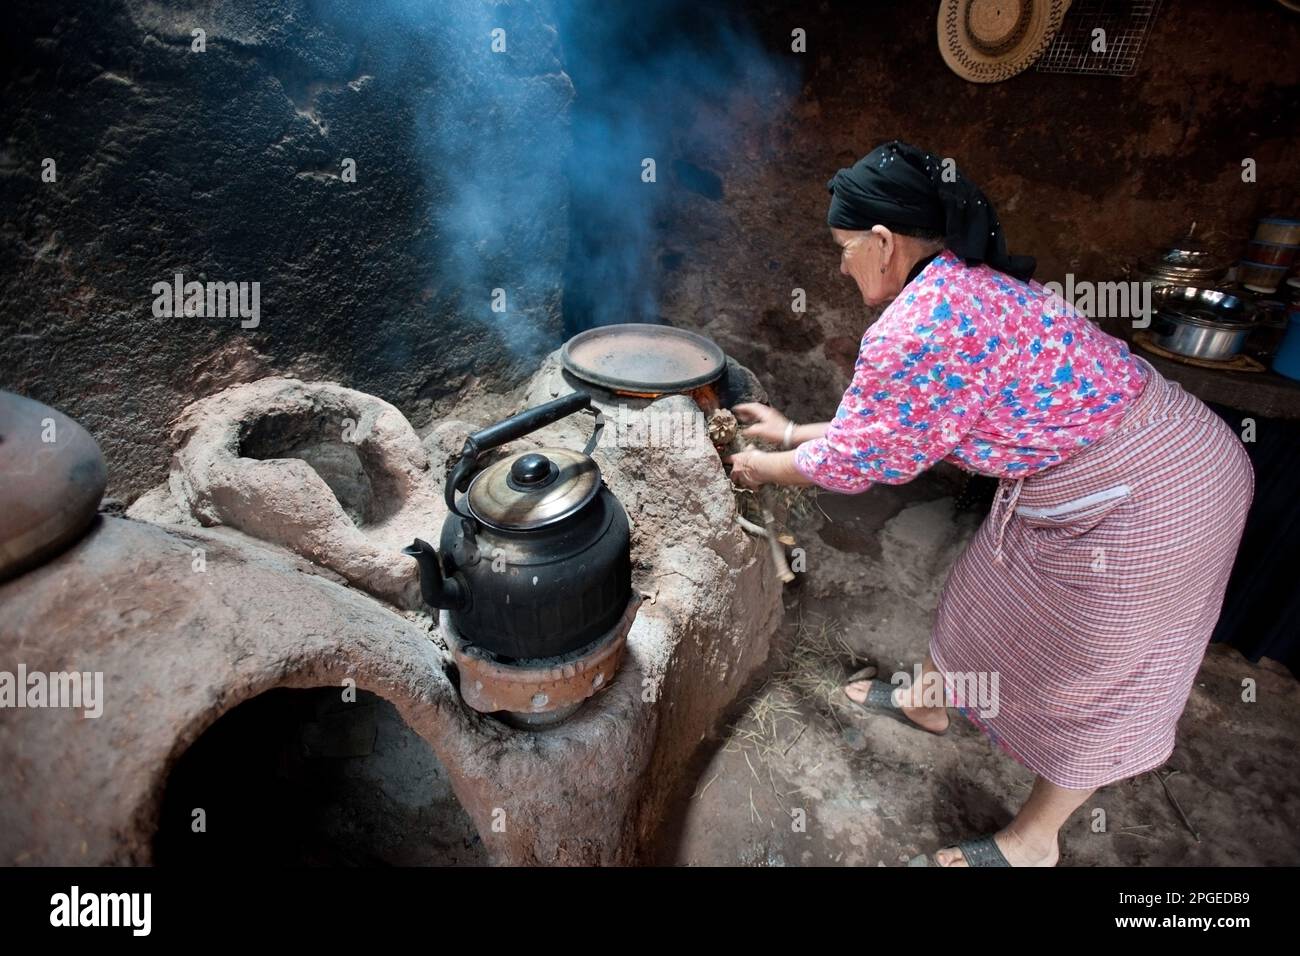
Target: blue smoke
(642, 72)
(583, 93)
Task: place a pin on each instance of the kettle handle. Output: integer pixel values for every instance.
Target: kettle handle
(502, 432)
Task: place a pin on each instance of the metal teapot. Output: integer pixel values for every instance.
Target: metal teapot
(534, 560)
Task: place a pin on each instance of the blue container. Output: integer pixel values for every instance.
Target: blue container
(1287, 360)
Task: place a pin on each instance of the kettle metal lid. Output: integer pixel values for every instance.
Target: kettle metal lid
(533, 489)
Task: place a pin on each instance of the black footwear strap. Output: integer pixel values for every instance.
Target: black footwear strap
(982, 851)
(881, 694)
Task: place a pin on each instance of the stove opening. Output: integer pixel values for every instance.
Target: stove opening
(322, 441)
(300, 777)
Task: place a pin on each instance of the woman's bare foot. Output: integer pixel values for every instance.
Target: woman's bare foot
(1017, 850)
(933, 719)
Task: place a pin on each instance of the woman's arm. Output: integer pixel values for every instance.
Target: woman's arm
(803, 433)
(924, 373)
(766, 423)
(752, 468)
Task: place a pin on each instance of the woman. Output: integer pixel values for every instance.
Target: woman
(1090, 591)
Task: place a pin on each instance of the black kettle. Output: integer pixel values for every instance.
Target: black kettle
(537, 562)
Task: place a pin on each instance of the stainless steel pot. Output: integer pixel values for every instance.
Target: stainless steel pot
(1202, 323)
(1199, 337)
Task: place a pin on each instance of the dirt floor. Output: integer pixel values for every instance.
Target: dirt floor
(802, 778)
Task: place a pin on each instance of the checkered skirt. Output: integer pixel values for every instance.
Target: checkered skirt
(1092, 589)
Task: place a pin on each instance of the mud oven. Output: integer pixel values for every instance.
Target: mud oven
(276, 686)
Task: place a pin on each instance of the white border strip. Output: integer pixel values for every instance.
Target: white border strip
(1079, 504)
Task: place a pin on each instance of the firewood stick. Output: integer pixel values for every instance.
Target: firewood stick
(769, 522)
(722, 426)
(778, 551)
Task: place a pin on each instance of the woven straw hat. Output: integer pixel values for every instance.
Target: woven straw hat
(986, 41)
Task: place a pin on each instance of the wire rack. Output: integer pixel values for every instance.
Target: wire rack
(1126, 23)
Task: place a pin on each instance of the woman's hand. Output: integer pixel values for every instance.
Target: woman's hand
(746, 467)
(765, 423)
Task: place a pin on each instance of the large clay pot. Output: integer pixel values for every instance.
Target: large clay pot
(52, 477)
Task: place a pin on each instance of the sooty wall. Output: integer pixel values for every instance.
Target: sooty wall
(228, 165)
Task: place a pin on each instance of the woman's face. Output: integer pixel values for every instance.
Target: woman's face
(864, 257)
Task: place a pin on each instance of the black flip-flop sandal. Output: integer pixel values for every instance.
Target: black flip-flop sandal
(880, 698)
(982, 851)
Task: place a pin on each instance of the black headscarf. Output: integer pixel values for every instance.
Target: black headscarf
(899, 185)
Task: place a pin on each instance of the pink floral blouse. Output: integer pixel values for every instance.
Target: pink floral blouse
(998, 376)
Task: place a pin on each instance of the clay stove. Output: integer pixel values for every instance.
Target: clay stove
(303, 585)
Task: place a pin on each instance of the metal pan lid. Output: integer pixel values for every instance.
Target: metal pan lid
(638, 356)
(1183, 267)
(1204, 319)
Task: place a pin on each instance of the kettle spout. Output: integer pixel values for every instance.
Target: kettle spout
(436, 589)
